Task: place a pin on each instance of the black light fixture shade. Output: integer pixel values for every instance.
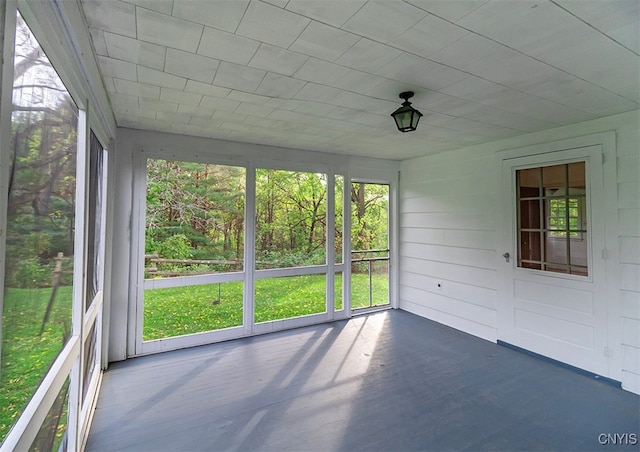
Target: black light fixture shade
(406, 117)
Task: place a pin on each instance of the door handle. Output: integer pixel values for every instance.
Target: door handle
(506, 256)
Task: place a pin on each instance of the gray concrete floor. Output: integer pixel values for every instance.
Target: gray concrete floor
(390, 381)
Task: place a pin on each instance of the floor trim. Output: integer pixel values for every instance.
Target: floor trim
(555, 362)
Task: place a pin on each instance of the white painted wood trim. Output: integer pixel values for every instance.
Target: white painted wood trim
(248, 306)
(28, 424)
(330, 245)
(291, 271)
(185, 281)
(597, 149)
(136, 274)
(8, 17)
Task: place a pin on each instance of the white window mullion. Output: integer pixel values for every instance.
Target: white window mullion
(6, 87)
(248, 306)
(331, 248)
(79, 278)
(346, 244)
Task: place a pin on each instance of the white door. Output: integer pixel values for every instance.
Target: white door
(552, 296)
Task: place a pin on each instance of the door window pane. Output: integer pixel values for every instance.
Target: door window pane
(552, 225)
(36, 317)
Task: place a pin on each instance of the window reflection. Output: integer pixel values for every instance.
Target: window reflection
(36, 317)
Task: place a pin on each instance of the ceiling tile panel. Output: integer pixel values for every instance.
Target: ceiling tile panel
(206, 89)
(284, 104)
(521, 23)
(384, 20)
(216, 103)
(157, 105)
(139, 52)
(278, 60)
(248, 98)
(447, 9)
(195, 111)
(124, 100)
(112, 16)
(420, 72)
(179, 97)
(171, 117)
(136, 89)
(169, 31)
(223, 14)
(275, 85)
(466, 51)
(429, 36)
(236, 76)
(368, 56)
(315, 108)
(619, 20)
(254, 110)
(161, 6)
(359, 82)
(365, 103)
(229, 116)
(319, 71)
(227, 46)
(159, 78)
(326, 74)
(332, 12)
(324, 42)
(208, 123)
(509, 119)
(271, 24)
(99, 44)
(191, 66)
(118, 68)
(511, 68)
(319, 93)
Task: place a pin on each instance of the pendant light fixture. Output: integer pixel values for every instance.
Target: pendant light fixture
(406, 117)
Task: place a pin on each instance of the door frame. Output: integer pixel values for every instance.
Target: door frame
(608, 255)
(392, 301)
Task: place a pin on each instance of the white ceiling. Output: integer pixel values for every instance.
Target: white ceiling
(325, 74)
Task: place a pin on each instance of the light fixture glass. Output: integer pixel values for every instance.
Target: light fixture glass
(406, 117)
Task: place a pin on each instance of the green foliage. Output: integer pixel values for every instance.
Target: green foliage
(201, 207)
(175, 247)
(29, 273)
(27, 355)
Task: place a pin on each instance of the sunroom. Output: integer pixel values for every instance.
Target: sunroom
(181, 173)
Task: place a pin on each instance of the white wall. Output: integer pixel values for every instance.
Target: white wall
(449, 208)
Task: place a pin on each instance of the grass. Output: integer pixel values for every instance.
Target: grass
(26, 354)
(185, 310)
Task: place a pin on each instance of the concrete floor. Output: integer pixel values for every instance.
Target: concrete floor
(390, 381)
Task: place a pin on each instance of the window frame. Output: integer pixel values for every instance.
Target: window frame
(56, 27)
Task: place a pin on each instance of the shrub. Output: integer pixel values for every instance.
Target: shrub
(29, 273)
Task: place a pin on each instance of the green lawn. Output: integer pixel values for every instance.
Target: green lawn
(185, 310)
(26, 354)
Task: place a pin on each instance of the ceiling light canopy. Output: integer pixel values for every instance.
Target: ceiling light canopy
(406, 117)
